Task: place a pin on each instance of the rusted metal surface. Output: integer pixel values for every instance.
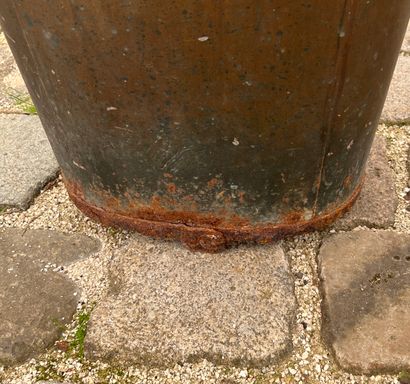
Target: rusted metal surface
(205, 232)
(211, 122)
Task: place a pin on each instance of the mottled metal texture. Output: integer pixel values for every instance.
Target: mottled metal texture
(207, 115)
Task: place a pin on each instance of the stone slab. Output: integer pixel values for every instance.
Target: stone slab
(11, 82)
(397, 105)
(27, 162)
(36, 299)
(406, 42)
(168, 305)
(377, 203)
(366, 307)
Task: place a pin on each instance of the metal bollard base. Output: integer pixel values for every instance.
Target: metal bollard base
(199, 237)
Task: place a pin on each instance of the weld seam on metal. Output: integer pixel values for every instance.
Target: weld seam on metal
(336, 89)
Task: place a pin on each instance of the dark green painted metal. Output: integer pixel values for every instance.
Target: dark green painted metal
(210, 114)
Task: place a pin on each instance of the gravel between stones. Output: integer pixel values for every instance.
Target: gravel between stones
(310, 362)
(397, 105)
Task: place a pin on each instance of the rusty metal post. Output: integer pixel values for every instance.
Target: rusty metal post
(210, 122)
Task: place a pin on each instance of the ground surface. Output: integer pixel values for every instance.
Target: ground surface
(27, 162)
(329, 275)
(36, 298)
(366, 307)
(167, 304)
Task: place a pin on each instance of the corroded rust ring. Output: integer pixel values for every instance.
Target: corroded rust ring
(208, 239)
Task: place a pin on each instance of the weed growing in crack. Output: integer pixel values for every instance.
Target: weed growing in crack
(404, 377)
(77, 344)
(23, 102)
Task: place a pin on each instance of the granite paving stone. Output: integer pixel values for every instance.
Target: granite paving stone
(168, 305)
(397, 105)
(27, 162)
(365, 279)
(377, 202)
(406, 42)
(11, 82)
(36, 297)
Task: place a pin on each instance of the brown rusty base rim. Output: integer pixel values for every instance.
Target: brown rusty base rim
(209, 239)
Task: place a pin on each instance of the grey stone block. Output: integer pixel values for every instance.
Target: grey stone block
(377, 202)
(168, 305)
(11, 82)
(397, 106)
(27, 162)
(406, 42)
(366, 306)
(35, 299)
